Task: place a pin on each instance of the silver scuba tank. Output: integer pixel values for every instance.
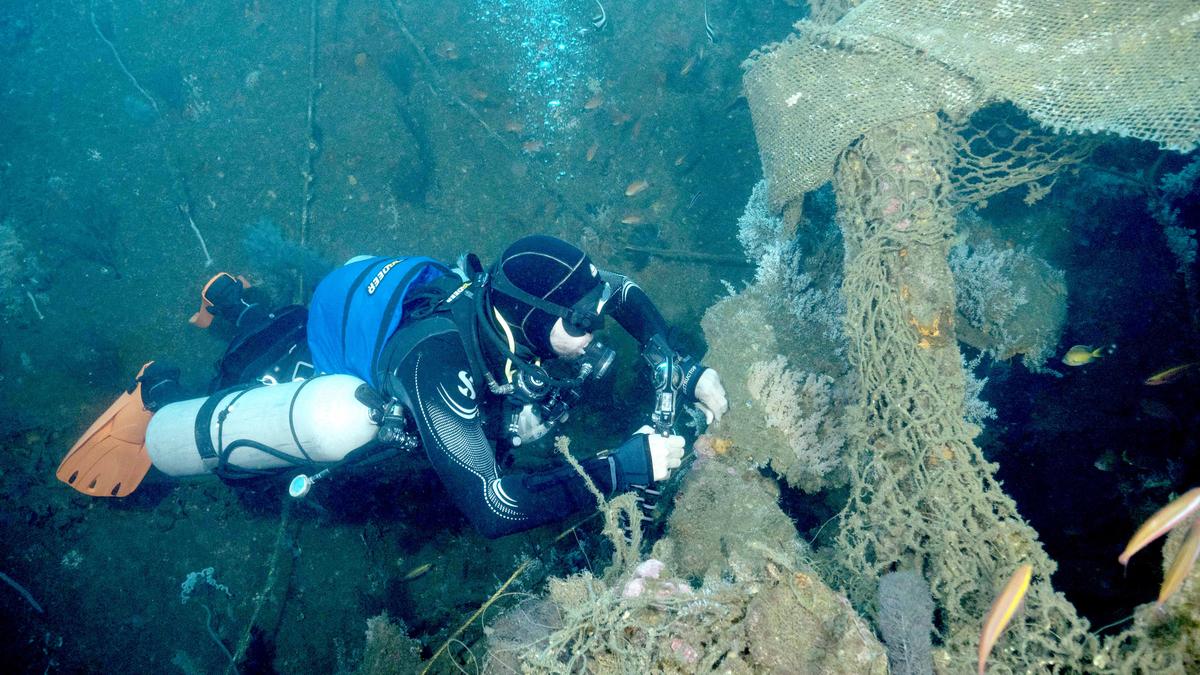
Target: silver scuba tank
(313, 422)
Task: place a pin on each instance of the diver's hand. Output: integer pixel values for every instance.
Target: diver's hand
(666, 452)
(710, 395)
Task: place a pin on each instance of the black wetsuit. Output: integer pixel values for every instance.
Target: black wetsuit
(427, 364)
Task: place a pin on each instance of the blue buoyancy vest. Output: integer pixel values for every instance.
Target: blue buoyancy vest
(358, 306)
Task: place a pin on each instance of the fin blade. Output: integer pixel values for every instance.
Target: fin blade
(110, 459)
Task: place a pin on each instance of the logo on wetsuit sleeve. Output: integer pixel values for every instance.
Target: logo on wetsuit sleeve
(467, 410)
(468, 387)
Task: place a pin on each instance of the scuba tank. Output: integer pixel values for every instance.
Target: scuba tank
(252, 429)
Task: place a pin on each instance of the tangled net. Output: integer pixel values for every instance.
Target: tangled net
(922, 495)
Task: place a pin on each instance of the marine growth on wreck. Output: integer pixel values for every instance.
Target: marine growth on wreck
(943, 255)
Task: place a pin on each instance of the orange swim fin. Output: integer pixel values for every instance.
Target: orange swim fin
(110, 458)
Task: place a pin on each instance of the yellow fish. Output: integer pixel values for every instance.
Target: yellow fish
(1169, 375)
(1181, 567)
(1003, 608)
(1164, 520)
(1081, 355)
(418, 571)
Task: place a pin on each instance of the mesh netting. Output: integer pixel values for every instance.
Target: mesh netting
(812, 95)
(1131, 69)
(922, 495)
(1000, 148)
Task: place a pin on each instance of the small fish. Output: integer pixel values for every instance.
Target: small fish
(591, 152)
(1005, 605)
(687, 66)
(636, 187)
(594, 102)
(632, 219)
(1169, 375)
(708, 27)
(1156, 410)
(477, 94)
(418, 572)
(447, 50)
(514, 127)
(1161, 522)
(1181, 567)
(637, 130)
(600, 20)
(1106, 462)
(532, 147)
(1081, 355)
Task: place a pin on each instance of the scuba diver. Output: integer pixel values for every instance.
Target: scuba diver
(396, 353)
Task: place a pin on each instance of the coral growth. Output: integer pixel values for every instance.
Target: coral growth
(281, 260)
(388, 649)
(800, 406)
(814, 309)
(1011, 301)
(786, 317)
(769, 423)
(719, 511)
(984, 285)
(906, 622)
(785, 620)
(1165, 208)
(975, 410)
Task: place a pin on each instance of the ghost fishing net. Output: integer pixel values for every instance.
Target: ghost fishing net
(922, 495)
(915, 108)
(1078, 66)
(1000, 147)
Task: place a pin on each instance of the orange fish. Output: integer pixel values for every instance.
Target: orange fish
(591, 152)
(1169, 375)
(636, 187)
(477, 94)
(632, 219)
(532, 147)
(514, 126)
(594, 102)
(637, 129)
(619, 118)
(1005, 605)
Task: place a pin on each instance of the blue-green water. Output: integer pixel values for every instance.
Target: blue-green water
(137, 140)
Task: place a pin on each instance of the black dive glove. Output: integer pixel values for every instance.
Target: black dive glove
(224, 296)
(647, 458)
(634, 465)
(160, 385)
(692, 369)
